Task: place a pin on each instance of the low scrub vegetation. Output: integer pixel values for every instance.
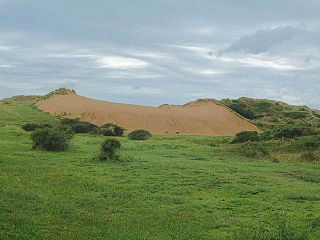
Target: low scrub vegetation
(253, 150)
(108, 150)
(52, 139)
(268, 114)
(139, 135)
(111, 129)
(29, 127)
(246, 136)
(292, 132)
(79, 126)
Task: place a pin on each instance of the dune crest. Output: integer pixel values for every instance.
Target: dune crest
(201, 117)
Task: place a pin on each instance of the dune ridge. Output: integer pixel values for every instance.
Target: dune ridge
(201, 117)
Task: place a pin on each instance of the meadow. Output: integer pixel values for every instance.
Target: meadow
(168, 187)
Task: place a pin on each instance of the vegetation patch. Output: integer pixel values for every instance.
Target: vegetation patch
(108, 150)
(79, 126)
(246, 136)
(111, 129)
(253, 150)
(52, 139)
(139, 135)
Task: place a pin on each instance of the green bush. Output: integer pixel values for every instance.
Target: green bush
(309, 143)
(253, 150)
(296, 114)
(246, 136)
(308, 156)
(52, 139)
(242, 109)
(111, 129)
(292, 132)
(29, 127)
(108, 150)
(79, 126)
(139, 135)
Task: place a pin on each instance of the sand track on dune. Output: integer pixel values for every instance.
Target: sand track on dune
(204, 117)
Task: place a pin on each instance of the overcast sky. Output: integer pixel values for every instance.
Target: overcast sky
(165, 51)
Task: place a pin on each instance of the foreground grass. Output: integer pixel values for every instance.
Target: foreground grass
(167, 188)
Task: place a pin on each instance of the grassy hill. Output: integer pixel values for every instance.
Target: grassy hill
(267, 114)
(179, 187)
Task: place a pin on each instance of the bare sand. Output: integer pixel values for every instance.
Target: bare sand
(201, 117)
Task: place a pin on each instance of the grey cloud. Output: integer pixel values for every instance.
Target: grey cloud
(264, 40)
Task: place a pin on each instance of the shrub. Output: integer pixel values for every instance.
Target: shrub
(253, 150)
(139, 135)
(29, 127)
(108, 150)
(111, 129)
(297, 114)
(308, 156)
(263, 106)
(51, 139)
(308, 143)
(242, 109)
(246, 136)
(292, 132)
(79, 126)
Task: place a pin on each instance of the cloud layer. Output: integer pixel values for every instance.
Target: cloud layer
(162, 52)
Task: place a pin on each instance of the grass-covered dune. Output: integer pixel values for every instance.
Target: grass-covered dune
(267, 114)
(179, 187)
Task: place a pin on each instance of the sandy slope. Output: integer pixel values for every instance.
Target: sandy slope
(196, 118)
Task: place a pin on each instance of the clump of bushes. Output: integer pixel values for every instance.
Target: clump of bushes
(297, 114)
(111, 129)
(52, 139)
(108, 150)
(246, 136)
(139, 135)
(242, 109)
(79, 126)
(292, 132)
(29, 127)
(253, 150)
(308, 146)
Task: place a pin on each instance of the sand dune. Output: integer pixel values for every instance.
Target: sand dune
(201, 117)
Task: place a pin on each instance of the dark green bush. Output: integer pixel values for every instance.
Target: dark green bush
(29, 127)
(79, 126)
(253, 150)
(246, 136)
(139, 135)
(111, 129)
(52, 139)
(242, 109)
(292, 132)
(309, 143)
(108, 150)
(297, 114)
(262, 106)
(308, 156)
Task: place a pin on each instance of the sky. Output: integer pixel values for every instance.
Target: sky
(165, 51)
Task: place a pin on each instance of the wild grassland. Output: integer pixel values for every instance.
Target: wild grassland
(175, 187)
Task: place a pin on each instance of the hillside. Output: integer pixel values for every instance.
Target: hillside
(201, 117)
(169, 187)
(267, 114)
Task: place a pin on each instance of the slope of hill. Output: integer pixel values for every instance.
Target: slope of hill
(201, 117)
(267, 114)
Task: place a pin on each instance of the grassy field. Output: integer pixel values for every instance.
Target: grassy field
(166, 188)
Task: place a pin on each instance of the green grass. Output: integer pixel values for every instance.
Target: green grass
(176, 187)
